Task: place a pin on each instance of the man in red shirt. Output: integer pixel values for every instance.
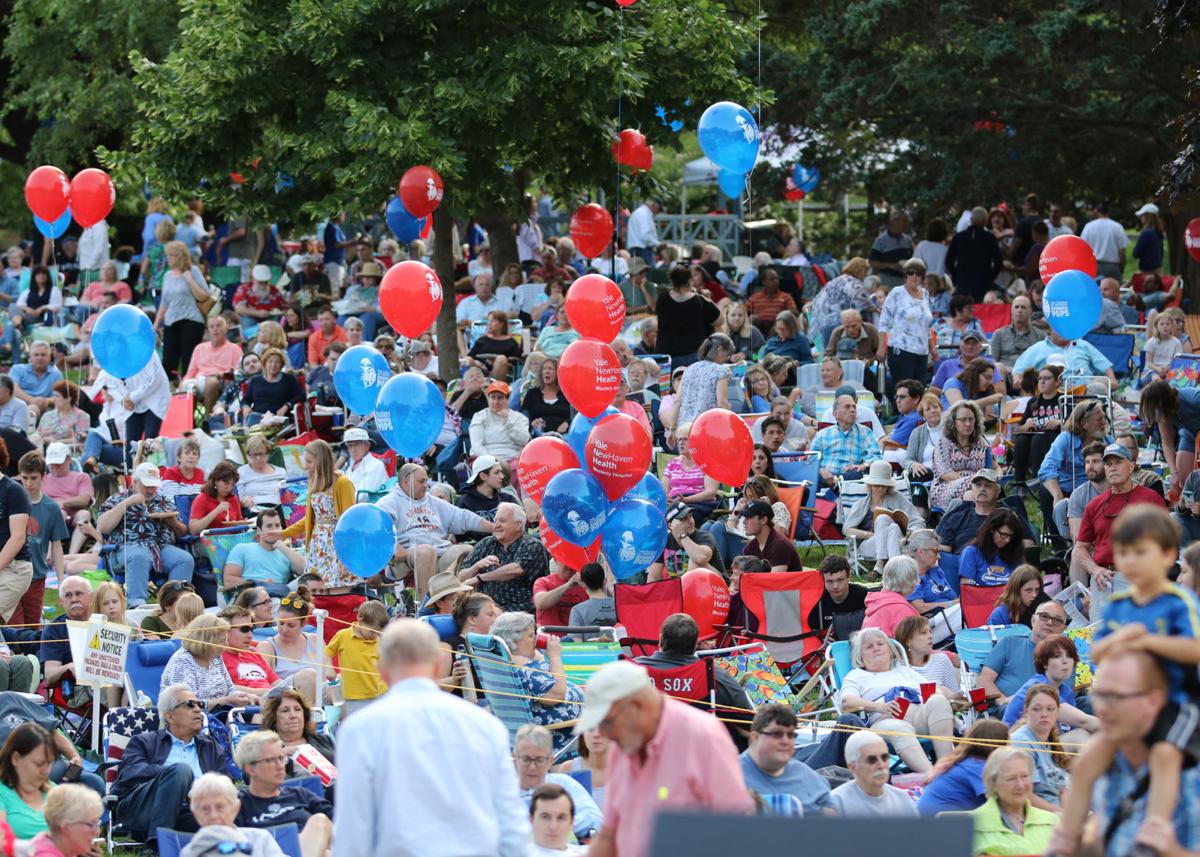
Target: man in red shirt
(211, 360)
(554, 595)
(764, 305)
(70, 489)
(328, 331)
(1092, 557)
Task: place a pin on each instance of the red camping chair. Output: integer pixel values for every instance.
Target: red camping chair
(978, 602)
(692, 683)
(992, 317)
(781, 602)
(641, 610)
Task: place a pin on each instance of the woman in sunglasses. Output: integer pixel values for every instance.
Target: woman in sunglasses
(249, 670)
(292, 649)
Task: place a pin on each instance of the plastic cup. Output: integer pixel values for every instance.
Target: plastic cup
(928, 689)
(904, 704)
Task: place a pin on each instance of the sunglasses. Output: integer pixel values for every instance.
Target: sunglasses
(226, 847)
(295, 602)
(189, 703)
(244, 629)
(874, 760)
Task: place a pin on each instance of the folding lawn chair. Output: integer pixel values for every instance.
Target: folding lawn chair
(756, 672)
(694, 683)
(641, 609)
(504, 692)
(581, 659)
(172, 842)
(975, 644)
(978, 602)
(144, 667)
(781, 602)
(217, 544)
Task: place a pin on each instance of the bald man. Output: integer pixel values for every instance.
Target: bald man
(846, 447)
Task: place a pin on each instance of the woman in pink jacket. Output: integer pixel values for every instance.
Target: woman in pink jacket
(889, 605)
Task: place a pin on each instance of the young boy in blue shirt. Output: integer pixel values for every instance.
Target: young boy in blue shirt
(1163, 619)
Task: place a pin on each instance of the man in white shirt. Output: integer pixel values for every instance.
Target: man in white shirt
(1108, 241)
(477, 306)
(641, 235)
(869, 794)
(449, 808)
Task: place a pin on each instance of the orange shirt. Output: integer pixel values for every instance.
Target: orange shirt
(317, 343)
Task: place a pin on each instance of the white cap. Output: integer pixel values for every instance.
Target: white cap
(611, 683)
(1148, 208)
(261, 274)
(481, 464)
(147, 474)
(354, 434)
(57, 453)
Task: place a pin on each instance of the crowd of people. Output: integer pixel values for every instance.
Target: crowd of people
(951, 439)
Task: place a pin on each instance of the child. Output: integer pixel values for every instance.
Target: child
(357, 651)
(1145, 541)
(1161, 349)
(108, 599)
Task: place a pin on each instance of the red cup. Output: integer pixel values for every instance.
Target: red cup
(904, 704)
(928, 689)
(541, 641)
(979, 699)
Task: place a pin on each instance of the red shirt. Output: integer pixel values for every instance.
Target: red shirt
(560, 613)
(764, 308)
(249, 669)
(1099, 515)
(272, 301)
(203, 504)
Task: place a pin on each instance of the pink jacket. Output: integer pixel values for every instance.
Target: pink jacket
(885, 609)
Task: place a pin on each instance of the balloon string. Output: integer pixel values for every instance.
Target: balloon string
(620, 92)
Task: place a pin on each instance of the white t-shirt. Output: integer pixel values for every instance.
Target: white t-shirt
(850, 801)
(874, 686)
(1106, 237)
(369, 474)
(261, 488)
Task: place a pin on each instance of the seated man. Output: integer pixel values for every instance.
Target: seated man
(70, 489)
(970, 347)
(1010, 664)
(158, 768)
(908, 399)
(1079, 356)
(534, 755)
(505, 564)
(769, 765)
(832, 377)
(268, 561)
(869, 795)
(863, 414)
(75, 596)
(212, 360)
(1068, 512)
(266, 801)
(677, 648)
(687, 544)
(14, 413)
(843, 604)
(958, 527)
(845, 446)
(795, 435)
(764, 541)
(258, 301)
(35, 380)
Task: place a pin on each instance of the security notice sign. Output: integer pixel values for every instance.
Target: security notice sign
(100, 656)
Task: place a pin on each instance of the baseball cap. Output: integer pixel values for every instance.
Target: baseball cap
(57, 453)
(678, 511)
(1119, 450)
(147, 474)
(846, 390)
(971, 334)
(609, 684)
(497, 387)
(987, 475)
(757, 509)
(261, 274)
(482, 464)
(354, 434)
(1148, 208)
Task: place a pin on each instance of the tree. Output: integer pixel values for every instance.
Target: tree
(487, 92)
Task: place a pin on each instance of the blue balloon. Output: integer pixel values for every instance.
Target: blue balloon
(1072, 304)
(358, 377)
(575, 506)
(403, 225)
(805, 178)
(729, 136)
(650, 490)
(409, 414)
(577, 434)
(56, 229)
(123, 340)
(732, 184)
(633, 536)
(364, 539)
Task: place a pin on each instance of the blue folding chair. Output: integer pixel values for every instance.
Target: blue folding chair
(1117, 347)
(145, 664)
(172, 842)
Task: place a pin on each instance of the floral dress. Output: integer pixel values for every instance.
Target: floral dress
(948, 455)
(71, 429)
(536, 680)
(320, 557)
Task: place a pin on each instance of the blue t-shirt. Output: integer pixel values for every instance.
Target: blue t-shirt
(1016, 705)
(258, 563)
(1012, 661)
(333, 237)
(904, 426)
(958, 790)
(46, 526)
(25, 378)
(983, 572)
(1188, 415)
(933, 588)
(797, 779)
(1174, 613)
(1001, 616)
(953, 384)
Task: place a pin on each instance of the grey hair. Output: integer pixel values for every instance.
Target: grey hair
(948, 418)
(648, 324)
(511, 627)
(250, 748)
(859, 639)
(716, 342)
(69, 803)
(900, 574)
(39, 343)
(991, 768)
(919, 539)
(213, 783)
(858, 742)
(979, 215)
(168, 698)
(518, 512)
(409, 642)
(535, 734)
(407, 471)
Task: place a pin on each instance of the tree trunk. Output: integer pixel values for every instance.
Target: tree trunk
(443, 266)
(1176, 220)
(501, 237)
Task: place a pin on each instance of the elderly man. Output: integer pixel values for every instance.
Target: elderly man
(367, 472)
(624, 353)
(212, 360)
(14, 413)
(158, 767)
(891, 249)
(974, 257)
(794, 432)
(637, 289)
(653, 763)
(75, 596)
(35, 380)
(328, 331)
(864, 415)
(144, 524)
(70, 489)
(869, 795)
(534, 755)
(309, 279)
(958, 527)
(257, 301)
(1010, 341)
(768, 302)
(641, 234)
(505, 564)
(1010, 664)
(485, 300)
(853, 339)
(770, 767)
(1092, 556)
(423, 525)
(845, 446)
(1078, 355)
(499, 431)
(267, 802)
(647, 336)
(440, 752)
(832, 376)
(1114, 315)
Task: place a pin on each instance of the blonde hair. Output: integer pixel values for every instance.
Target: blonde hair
(277, 353)
(105, 589)
(324, 473)
(69, 803)
(204, 637)
(272, 333)
(258, 443)
(188, 606)
(176, 247)
(373, 615)
(156, 205)
(857, 267)
(746, 327)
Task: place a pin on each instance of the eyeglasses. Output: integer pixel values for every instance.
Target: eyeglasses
(258, 604)
(271, 760)
(1052, 619)
(526, 761)
(789, 734)
(874, 760)
(968, 418)
(1004, 534)
(92, 825)
(189, 703)
(1112, 697)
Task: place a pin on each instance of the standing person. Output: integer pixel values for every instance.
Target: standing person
(974, 257)
(330, 494)
(685, 318)
(16, 566)
(1176, 412)
(420, 767)
(641, 235)
(844, 292)
(357, 652)
(45, 531)
(1108, 241)
(336, 243)
(904, 326)
(1149, 247)
(179, 316)
(891, 250)
(653, 764)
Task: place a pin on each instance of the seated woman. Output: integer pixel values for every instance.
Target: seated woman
(217, 504)
(788, 340)
(876, 686)
(916, 637)
(960, 452)
(1039, 735)
(760, 389)
(974, 382)
(995, 552)
(272, 392)
(1022, 595)
(63, 421)
(292, 649)
(72, 813)
(683, 479)
(933, 590)
(198, 664)
(185, 478)
(267, 802)
(918, 455)
(25, 761)
(178, 604)
(541, 398)
(260, 480)
(474, 614)
(887, 605)
(290, 717)
(542, 676)
(957, 781)
(213, 801)
(1008, 823)
(881, 517)
(268, 561)
(1054, 660)
(496, 352)
(258, 601)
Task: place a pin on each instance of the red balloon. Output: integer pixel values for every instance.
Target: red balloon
(47, 193)
(427, 228)
(541, 460)
(591, 229)
(1066, 253)
(705, 599)
(596, 307)
(791, 192)
(626, 2)
(1191, 239)
(572, 556)
(721, 446)
(410, 297)
(590, 375)
(421, 190)
(629, 149)
(644, 158)
(92, 197)
(618, 453)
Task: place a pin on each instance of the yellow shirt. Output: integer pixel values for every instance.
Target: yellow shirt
(358, 660)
